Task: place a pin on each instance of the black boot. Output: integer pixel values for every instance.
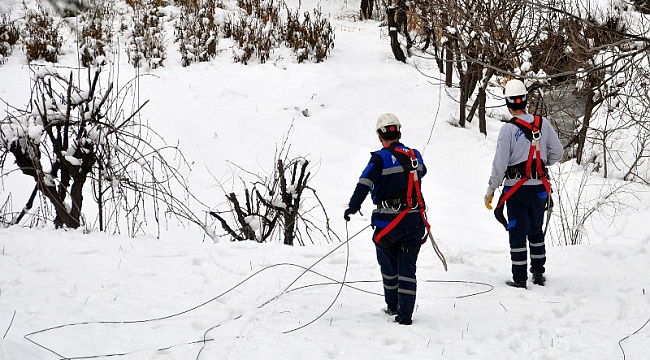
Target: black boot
(388, 311)
(538, 278)
(517, 284)
(401, 321)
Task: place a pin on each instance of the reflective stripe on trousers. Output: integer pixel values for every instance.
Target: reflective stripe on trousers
(526, 210)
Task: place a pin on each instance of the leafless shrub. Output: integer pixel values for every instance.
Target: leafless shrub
(618, 138)
(146, 44)
(312, 37)
(251, 37)
(197, 32)
(96, 35)
(9, 35)
(281, 204)
(580, 197)
(41, 35)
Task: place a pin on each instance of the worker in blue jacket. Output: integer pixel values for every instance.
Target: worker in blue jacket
(392, 176)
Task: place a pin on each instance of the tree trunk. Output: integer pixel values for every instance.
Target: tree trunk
(464, 97)
(582, 135)
(392, 31)
(481, 99)
(33, 169)
(100, 197)
(76, 195)
(366, 9)
(449, 71)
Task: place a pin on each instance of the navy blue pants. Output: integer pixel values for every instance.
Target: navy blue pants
(397, 255)
(525, 220)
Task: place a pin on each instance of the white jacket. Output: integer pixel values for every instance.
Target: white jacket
(513, 148)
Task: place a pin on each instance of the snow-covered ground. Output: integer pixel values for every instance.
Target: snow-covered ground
(66, 294)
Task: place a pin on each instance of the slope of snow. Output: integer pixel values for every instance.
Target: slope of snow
(149, 298)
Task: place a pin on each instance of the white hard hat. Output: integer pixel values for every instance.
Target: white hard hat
(515, 88)
(388, 122)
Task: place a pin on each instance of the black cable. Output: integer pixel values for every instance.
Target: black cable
(435, 119)
(634, 333)
(205, 340)
(345, 274)
(27, 336)
(464, 282)
(427, 281)
(309, 269)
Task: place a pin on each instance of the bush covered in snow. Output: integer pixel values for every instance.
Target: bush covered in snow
(279, 204)
(256, 29)
(96, 36)
(146, 44)
(197, 32)
(252, 36)
(9, 35)
(312, 37)
(261, 27)
(41, 35)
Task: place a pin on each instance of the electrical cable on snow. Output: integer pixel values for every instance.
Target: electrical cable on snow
(378, 281)
(27, 336)
(308, 269)
(345, 274)
(205, 340)
(10, 322)
(435, 119)
(634, 333)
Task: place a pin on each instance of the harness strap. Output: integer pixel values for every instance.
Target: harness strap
(532, 132)
(414, 183)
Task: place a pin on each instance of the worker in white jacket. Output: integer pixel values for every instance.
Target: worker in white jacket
(526, 145)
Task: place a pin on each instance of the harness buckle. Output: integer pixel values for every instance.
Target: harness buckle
(536, 134)
(391, 204)
(414, 163)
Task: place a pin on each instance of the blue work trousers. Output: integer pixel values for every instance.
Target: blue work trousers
(525, 220)
(397, 259)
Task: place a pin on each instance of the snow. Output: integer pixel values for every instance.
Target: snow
(73, 160)
(35, 132)
(66, 294)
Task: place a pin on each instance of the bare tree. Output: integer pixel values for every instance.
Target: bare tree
(280, 204)
(70, 134)
(476, 39)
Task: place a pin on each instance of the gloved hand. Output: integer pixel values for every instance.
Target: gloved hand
(347, 213)
(489, 195)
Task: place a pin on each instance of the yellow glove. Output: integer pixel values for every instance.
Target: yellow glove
(489, 195)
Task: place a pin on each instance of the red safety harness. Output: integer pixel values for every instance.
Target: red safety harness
(413, 186)
(532, 132)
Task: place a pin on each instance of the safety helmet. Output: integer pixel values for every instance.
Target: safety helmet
(516, 94)
(515, 88)
(388, 122)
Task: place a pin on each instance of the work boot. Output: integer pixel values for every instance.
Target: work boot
(388, 311)
(538, 278)
(401, 321)
(517, 284)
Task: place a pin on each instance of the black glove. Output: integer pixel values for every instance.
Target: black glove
(347, 213)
